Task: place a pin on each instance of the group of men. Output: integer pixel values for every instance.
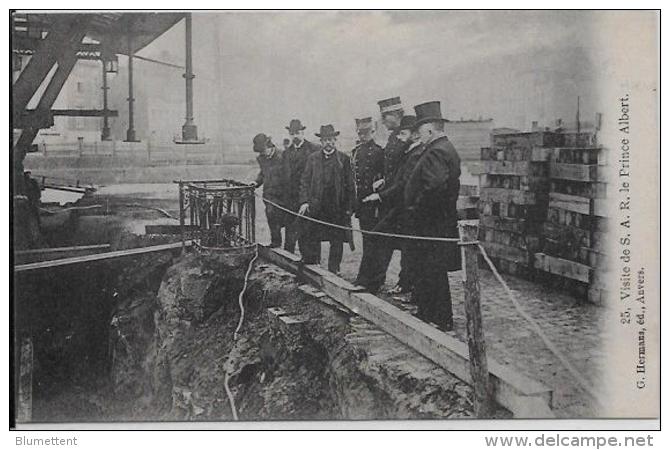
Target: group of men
(402, 195)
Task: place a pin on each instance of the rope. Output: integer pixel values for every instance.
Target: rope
(226, 380)
(583, 383)
(373, 233)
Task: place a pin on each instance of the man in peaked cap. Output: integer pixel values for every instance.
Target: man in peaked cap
(326, 194)
(271, 177)
(430, 196)
(295, 158)
(395, 218)
(391, 112)
(368, 162)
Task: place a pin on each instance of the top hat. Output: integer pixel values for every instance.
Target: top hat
(407, 122)
(428, 112)
(261, 142)
(295, 125)
(389, 105)
(327, 131)
(364, 124)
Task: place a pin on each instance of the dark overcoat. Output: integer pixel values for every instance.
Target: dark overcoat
(272, 177)
(294, 165)
(431, 193)
(368, 161)
(312, 189)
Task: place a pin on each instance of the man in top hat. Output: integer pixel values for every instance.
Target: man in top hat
(430, 198)
(395, 218)
(368, 161)
(326, 194)
(271, 177)
(295, 158)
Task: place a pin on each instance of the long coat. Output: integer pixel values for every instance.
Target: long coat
(431, 193)
(393, 154)
(272, 177)
(368, 161)
(395, 220)
(294, 165)
(312, 188)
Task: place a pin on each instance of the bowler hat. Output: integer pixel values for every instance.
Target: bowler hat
(407, 122)
(327, 131)
(295, 125)
(428, 112)
(364, 124)
(261, 142)
(390, 104)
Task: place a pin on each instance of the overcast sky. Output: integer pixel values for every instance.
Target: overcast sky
(257, 70)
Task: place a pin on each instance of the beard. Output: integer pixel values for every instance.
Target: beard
(296, 140)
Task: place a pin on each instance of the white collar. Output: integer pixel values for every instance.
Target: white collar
(328, 154)
(300, 145)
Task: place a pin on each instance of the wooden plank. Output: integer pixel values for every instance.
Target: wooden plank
(518, 168)
(99, 257)
(523, 396)
(508, 195)
(562, 267)
(581, 205)
(574, 172)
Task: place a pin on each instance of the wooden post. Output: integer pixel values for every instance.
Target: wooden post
(483, 404)
(25, 403)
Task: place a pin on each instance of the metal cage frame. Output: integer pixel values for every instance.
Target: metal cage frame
(218, 216)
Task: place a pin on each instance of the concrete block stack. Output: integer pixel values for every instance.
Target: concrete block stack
(514, 188)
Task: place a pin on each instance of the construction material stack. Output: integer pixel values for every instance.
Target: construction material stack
(514, 188)
(573, 245)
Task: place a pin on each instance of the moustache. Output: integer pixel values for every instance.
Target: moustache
(296, 140)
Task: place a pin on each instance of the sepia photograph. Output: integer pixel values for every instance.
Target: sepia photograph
(431, 217)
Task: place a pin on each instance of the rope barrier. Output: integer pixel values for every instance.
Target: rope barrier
(583, 383)
(373, 233)
(240, 301)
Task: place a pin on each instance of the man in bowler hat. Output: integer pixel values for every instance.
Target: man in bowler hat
(295, 158)
(326, 194)
(271, 177)
(430, 197)
(368, 162)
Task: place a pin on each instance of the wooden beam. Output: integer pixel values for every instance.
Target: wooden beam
(99, 257)
(574, 203)
(563, 267)
(508, 195)
(42, 254)
(523, 396)
(574, 172)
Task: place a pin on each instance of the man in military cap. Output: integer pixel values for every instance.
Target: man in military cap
(391, 112)
(327, 194)
(430, 198)
(295, 158)
(368, 161)
(395, 218)
(271, 177)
